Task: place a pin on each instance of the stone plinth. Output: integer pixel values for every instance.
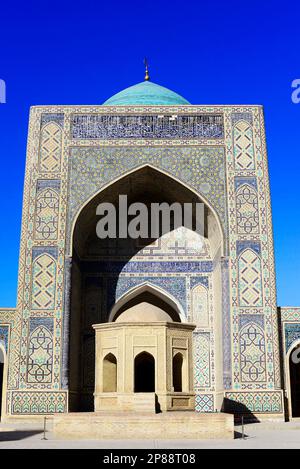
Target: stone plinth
(167, 425)
(132, 402)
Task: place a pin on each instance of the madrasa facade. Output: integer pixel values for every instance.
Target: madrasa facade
(99, 320)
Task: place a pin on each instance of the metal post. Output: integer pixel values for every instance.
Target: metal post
(243, 429)
(44, 437)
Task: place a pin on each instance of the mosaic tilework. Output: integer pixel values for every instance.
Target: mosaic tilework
(202, 360)
(250, 282)
(147, 126)
(46, 214)
(257, 402)
(243, 145)
(289, 314)
(38, 402)
(200, 307)
(226, 326)
(200, 168)
(4, 336)
(133, 267)
(57, 117)
(292, 334)
(40, 356)
(243, 115)
(177, 287)
(252, 359)
(250, 163)
(9, 324)
(204, 403)
(43, 282)
(50, 147)
(243, 160)
(247, 209)
(290, 326)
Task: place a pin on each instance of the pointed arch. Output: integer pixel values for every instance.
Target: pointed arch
(150, 288)
(110, 370)
(177, 372)
(144, 372)
(198, 194)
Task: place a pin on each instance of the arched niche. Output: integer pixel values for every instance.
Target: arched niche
(110, 373)
(177, 372)
(99, 266)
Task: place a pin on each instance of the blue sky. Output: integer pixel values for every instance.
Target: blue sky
(210, 52)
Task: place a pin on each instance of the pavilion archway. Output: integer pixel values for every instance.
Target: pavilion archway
(144, 372)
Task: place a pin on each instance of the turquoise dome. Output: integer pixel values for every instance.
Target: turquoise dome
(146, 93)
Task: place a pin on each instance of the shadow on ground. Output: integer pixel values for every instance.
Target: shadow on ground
(239, 435)
(18, 435)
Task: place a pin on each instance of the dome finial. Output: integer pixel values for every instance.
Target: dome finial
(147, 76)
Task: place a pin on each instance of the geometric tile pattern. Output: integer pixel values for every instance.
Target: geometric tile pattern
(291, 314)
(9, 332)
(202, 360)
(50, 148)
(46, 214)
(229, 171)
(40, 356)
(204, 403)
(257, 402)
(252, 358)
(247, 210)
(292, 334)
(243, 145)
(250, 284)
(200, 309)
(38, 402)
(43, 282)
(4, 337)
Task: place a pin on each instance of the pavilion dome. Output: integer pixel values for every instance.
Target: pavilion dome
(144, 312)
(146, 93)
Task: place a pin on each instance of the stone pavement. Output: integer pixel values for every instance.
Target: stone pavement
(263, 435)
